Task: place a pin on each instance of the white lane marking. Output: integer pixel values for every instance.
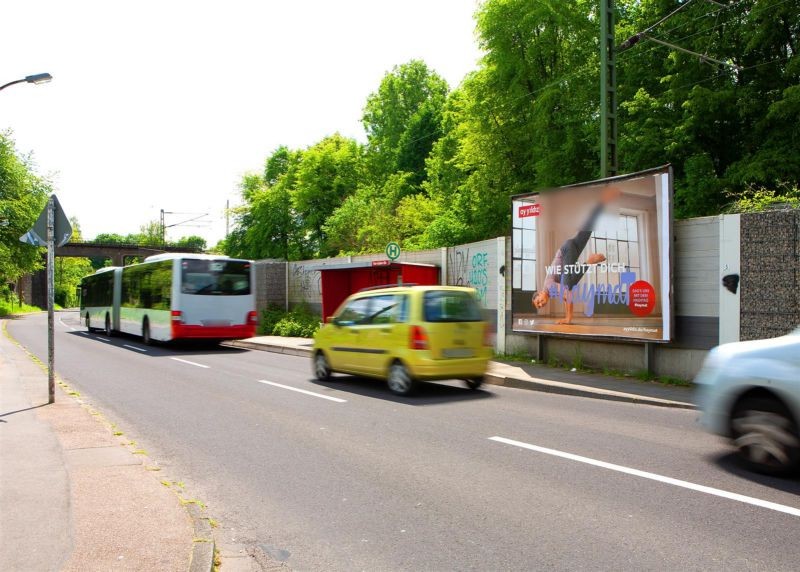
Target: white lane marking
(191, 362)
(61, 321)
(84, 333)
(336, 399)
(645, 475)
(102, 339)
(134, 348)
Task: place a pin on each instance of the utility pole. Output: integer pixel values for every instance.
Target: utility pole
(608, 92)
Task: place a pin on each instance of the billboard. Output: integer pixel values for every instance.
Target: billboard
(594, 259)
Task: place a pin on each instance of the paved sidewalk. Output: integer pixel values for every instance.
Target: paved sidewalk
(73, 497)
(532, 376)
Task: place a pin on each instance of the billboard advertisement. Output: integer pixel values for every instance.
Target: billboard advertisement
(594, 259)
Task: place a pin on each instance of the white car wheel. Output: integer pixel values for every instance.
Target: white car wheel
(766, 436)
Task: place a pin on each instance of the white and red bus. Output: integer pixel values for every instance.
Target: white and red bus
(173, 296)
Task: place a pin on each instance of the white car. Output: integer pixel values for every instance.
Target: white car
(750, 392)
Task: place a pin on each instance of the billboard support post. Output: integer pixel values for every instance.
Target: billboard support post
(649, 357)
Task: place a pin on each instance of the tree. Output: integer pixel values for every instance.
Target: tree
(328, 173)
(723, 128)
(23, 196)
(266, 226)
(402, 120)
(68, 273)
(191, 243)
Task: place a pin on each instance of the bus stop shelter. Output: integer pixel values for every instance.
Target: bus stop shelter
(338, 281)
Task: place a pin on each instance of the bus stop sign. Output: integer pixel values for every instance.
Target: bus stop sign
(392, 250)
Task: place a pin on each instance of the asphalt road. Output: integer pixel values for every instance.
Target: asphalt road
(347, 476)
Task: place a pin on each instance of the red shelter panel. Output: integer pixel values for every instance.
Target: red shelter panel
(341, 280)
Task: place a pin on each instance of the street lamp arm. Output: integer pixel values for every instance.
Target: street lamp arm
(11, 83)
(35, 79)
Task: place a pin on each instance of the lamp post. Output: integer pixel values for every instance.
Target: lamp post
(35, 79)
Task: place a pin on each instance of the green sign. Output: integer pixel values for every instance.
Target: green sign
(392, 250)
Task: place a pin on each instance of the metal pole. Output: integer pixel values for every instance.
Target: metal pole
(608, 91)
(51, 386)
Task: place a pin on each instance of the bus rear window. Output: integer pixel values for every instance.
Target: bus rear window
(215, 277)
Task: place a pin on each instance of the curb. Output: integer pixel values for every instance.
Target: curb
(204, 547)
(303, 352)
(579, 391)
(556, 387)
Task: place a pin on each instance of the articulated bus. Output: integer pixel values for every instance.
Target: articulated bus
(173, 296)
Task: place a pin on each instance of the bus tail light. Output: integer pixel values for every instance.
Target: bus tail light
(177, 316)
(419, 339)
(252, 319)
(487, 335)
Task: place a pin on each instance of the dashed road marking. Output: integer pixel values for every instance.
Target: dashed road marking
(336, 399)
(191, 362)
(134, 348)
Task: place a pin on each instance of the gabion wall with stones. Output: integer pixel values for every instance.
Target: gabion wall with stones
(270, 284)
(770, 274)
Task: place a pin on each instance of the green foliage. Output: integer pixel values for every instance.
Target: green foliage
(12, 306)
(269, 317)
(191, 243)
(402, 120)
(758, 199)
(23, 195)
(328, 173)
(299, 322)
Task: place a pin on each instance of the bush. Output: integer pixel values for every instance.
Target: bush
(269, 317)
(300, 322)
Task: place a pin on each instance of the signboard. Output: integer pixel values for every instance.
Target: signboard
(594, 259)
(393, 250)
(37, 236)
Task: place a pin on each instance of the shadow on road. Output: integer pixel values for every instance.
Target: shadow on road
(730, 463)
(156, 349)
(426, 393)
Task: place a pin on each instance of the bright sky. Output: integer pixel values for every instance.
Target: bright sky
(163, 105)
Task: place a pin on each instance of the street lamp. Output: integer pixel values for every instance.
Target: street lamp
(36, 79)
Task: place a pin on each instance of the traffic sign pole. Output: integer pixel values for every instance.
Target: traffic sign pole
(51, 249)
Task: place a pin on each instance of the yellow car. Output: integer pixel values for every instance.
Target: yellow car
(405, 334)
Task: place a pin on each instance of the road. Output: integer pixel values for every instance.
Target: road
(347, 476)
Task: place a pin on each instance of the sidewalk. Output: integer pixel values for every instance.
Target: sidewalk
(531, 376)
(73, 497)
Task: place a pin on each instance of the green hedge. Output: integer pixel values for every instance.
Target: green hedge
(300, 322)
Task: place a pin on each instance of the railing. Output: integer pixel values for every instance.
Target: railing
(133, 245)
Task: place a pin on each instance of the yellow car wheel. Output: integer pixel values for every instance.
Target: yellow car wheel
(322, 369)
(474, 382)
(399, 379)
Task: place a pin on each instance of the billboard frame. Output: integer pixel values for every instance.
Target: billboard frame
(628, 295)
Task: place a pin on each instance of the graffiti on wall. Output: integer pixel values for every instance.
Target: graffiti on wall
(306, 283)
(470, 269)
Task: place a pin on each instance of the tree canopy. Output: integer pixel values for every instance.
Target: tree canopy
(23, 195)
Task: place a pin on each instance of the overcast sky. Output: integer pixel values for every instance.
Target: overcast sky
(163, 105)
